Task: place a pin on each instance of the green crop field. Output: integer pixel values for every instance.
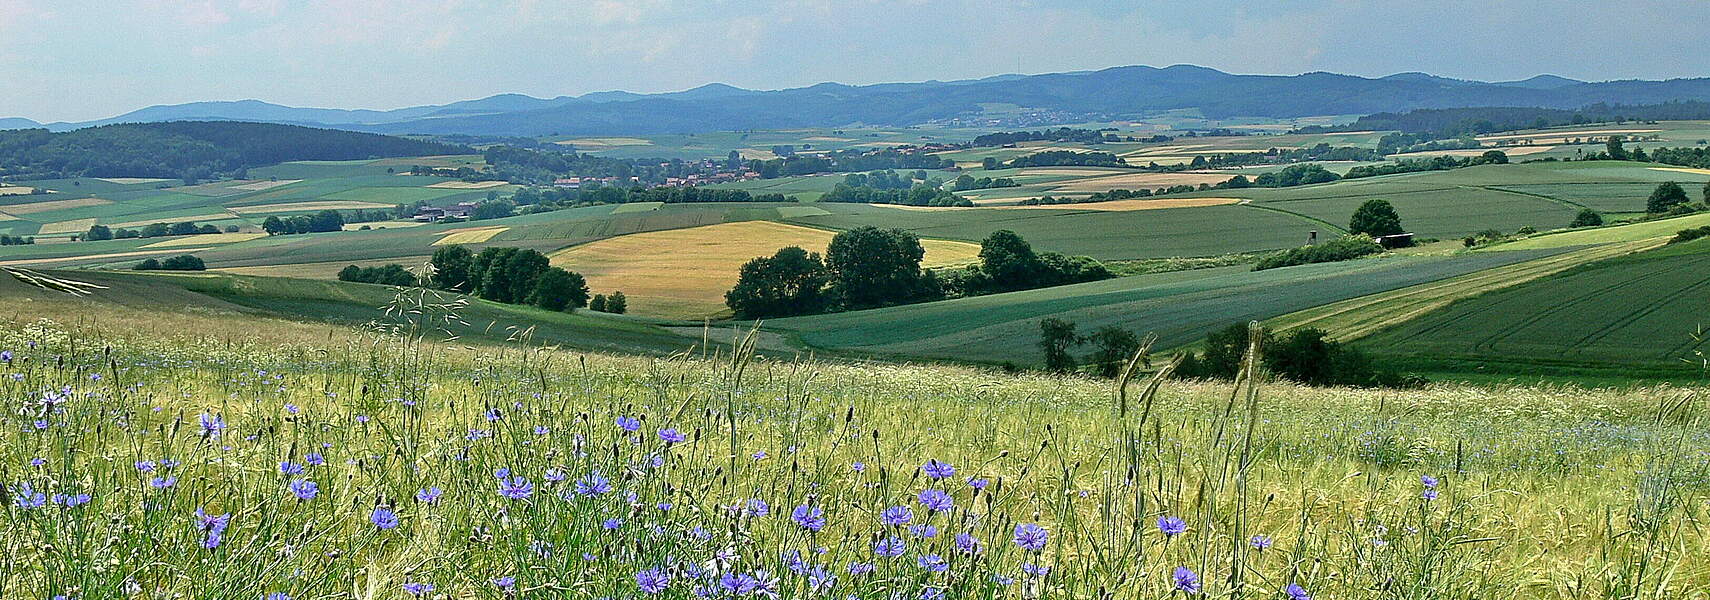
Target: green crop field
(1178, 307)
(1643, 309)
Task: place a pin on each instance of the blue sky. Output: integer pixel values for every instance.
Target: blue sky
(83, 59)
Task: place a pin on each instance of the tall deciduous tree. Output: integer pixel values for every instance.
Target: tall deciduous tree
(1666, 196)
(873, 267)
(1376, 218)
(790, 282)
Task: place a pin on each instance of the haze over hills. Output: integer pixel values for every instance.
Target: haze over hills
(1119, 92)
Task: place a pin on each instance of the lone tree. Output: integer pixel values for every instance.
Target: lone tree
(790, 282)
(1667, 195)
(1056, 337)
(617, 303)
(1115, 346)
(1376, 218)
(1587, 218)
(872, 267)
(1614, 148)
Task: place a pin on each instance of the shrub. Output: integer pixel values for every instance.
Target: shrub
(392, 274)
(1587, 218)
(1666, 196)
(1687, 235)
(1344, 248)
(185, 262)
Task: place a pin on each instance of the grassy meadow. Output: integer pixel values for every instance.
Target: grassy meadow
(245, 457)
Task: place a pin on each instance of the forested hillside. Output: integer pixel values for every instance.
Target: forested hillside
(189, 149)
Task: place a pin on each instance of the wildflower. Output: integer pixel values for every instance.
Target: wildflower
(1261, 542)
(428, 495)
(923, 531)
(1428, 495)
(652, 581)
(163, 482)
(937, 501)
(860, 568)
(1295, 592)
(937, 470)
(593, 484)
(612, 524)
(304, 489)
(1186, 580)
(1031, 537)
(505, 583)
(933, 563)
(890, 547)
(418, 589)
(516, 488)
(542, 430)
(314, 459)
(277, 596)
(291, 409)
(897, 515)
(1429, 481)
(931, 593)
(756, 507)
(671, 436)
(213, 526)
(761, 455)
(38, 461)
(383, 518)
(212, 425)
(1172, 526)
(627, 423)
(819, 581)
(967, 543)
(290, 468)
(145, 466)
(29, 498)
(71, 500)
(978, 483)
(858, 467)
(6, 356)
(811, 518)
(493, 414)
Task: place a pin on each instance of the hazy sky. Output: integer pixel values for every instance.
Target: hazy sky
(86, 59)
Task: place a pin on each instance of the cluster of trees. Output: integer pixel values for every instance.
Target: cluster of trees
(968, 182)
(1587, 218)
(1302, 356)
(183, 262)
(866, 267)
(1068, 158)
(533, 200)
(1061, 134)
(1273, 156)
(320, 222)
(12, 240)
(1398, 143)
(512, 276)
(98, 233)
(1670, 198)
(884, 180)
(616, 304)
(190, 150)
(1113, 347)
(921, 194)
(1345, 248)
(508, 275)
(393, 274)
(1008, 263)
(1435, 163)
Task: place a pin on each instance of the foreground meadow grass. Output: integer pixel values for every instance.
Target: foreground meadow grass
(374, 464)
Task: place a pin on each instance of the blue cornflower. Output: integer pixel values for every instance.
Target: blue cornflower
(1172, 526)
(213, 526)
(810, 518)
(860, 568)
(931, 593)
(1429, 481)
(937, 501)
(501, 473)
(277, 596)
(593, 484)
(6, 356)
(820, 581)
(1295, 592)
(890, 547)
(671, 436)
(383, 518)
(1261, 542)
(292, 409)
(428, 495)
(756, 507)
(858, 467)
(418, 589)
(493, 414)
(933, 563)
(71, 500)
(314, 459)
(897, 515)
(304, 489)
(652, 581)
(1429, 495)
(1033, 570)
(290, 468)
(1186, 580)
(612, 524)
(542, 430)
(212, 425)
(628, 423)
(923, 531)
(163, 482)
(979, 483)
(967, 543)
(505, 583)
(937, 469)
(1031, 537)
(145, 466)
(516, 488)
(28, 497)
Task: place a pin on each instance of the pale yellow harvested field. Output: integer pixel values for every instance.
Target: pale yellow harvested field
(1559, 134)
(756, 154)
(72, 226)
(204, 239)
(467, 185)
(16, 190)
(1674, 169)
(206, 217)
(1068, 171)
(1134, 204)
(1139, 180)
(40, 207)
(264, 185)
(470, 236)
(316, 205)
(684, 273)
(131, 180)
(91, 257)
(6, 217)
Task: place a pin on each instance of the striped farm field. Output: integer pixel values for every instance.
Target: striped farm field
(307, 206)
(63, 227)
(96, 258)
(52, 205)
(684, 273)
(193, 218)
(474, 235)
(1132, 204)
(206, 239)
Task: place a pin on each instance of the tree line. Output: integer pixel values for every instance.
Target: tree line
(97, 233)
(1448, 123)
(320, 222)
(183, 262)
(1060, 134)
(1303, 356)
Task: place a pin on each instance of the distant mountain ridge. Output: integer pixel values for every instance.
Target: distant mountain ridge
(1117, 92)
